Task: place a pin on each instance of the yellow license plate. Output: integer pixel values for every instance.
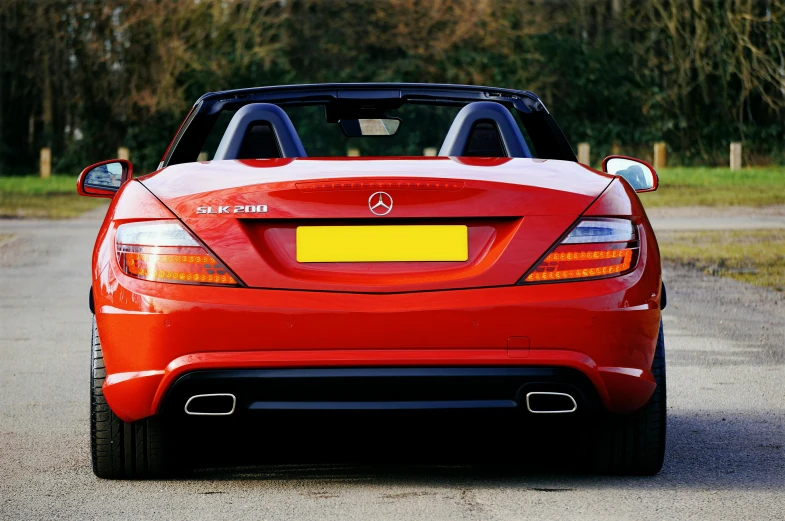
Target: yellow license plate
(382, 243)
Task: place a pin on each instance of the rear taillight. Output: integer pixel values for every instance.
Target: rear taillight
(164, 251)
(594, 248)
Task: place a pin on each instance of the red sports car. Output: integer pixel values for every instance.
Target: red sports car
(308, 248)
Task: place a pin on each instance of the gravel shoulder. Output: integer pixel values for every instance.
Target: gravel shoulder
(725, 457)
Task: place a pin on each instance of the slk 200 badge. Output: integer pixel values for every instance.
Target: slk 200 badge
(249, 208)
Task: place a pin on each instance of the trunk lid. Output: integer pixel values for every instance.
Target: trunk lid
(248, 212)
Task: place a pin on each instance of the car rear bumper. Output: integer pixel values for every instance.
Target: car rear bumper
(134, 396)
(240, 391)
(154, 334)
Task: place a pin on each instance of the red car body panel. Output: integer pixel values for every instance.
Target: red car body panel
(515, 209)
(386, 314)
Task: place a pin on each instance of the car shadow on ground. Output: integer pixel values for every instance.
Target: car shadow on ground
(714, 450)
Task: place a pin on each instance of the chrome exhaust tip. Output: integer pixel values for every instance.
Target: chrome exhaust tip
(542, 402)
(220, 404)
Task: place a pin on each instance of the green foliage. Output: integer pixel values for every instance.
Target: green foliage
(599, 102)
(34, 185)
(52, 198)
(718, 187)
(85, 77)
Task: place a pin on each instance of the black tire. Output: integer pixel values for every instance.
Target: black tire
(121, 450)
(634, 444)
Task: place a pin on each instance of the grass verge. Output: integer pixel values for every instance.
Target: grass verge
(753, 256)
(718, 187)
(33, 197)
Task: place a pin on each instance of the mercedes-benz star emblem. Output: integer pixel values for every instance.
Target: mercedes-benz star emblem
(380, 203)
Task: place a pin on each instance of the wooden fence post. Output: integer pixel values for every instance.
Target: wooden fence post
(735, 155)
(45, 166)
(584, 152)
(123, 153)
(660, 155)
(202, 156)
(353, 152)
(430, 151)
(615, 148)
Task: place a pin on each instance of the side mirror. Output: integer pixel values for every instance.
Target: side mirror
(641, 175)
(104, 179)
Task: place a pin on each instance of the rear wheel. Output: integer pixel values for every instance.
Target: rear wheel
(121, 450)
(634, 443)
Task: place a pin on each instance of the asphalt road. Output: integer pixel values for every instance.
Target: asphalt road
(719, 223)
(725, 345)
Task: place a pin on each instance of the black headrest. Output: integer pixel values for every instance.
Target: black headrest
(256, 114)
(471, 123)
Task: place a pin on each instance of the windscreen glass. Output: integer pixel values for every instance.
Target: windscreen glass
(420, 130)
